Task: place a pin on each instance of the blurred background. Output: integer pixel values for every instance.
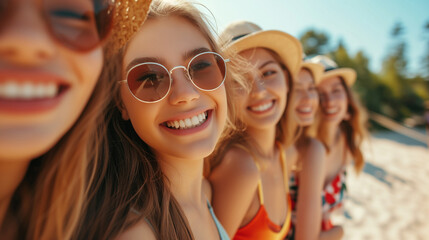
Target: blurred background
(387, 43)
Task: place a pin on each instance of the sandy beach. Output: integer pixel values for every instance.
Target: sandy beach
(390, 198)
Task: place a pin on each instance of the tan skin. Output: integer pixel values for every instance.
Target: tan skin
(312, 164)
(29, 54)
(312, 157)
(334, 110)
(234, 181)
(180, 156)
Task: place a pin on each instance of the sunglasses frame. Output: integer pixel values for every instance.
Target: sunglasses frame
(11, 4)
(225, 61)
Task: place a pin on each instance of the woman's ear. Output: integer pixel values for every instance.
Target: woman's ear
(123, 110)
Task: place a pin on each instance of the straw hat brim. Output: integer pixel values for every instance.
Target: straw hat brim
(316, 70)
(286, 46)
(128, 18)
(348, 74)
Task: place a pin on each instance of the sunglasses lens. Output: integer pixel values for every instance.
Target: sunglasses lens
(79, 24)
(207, 71)
(148, 82)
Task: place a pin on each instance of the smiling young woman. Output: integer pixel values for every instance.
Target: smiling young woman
(50, 99)
(249, 171)
(341, 128)
(169, 107)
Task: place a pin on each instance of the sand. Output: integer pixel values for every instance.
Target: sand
(390, 198)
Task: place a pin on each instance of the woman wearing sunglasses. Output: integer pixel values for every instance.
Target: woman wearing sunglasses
(168, 111)
(249, 172)
(50, 60)
(341, 129)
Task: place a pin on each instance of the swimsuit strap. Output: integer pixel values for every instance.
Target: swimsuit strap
(284, 165)
(260, 192)
(284, 171)
(286, 224)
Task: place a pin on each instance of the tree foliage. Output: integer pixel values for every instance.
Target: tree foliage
(392, 91)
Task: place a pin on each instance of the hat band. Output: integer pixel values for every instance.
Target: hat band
(239, 36)
(330, 69)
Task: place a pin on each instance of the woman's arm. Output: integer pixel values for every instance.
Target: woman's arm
(311, 177)
(335, 233)
(234, 183)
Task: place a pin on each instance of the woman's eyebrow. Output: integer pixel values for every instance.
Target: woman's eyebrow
(136, 61)
(194, 52)
(266, 63)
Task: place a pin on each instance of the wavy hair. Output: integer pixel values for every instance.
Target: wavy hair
(354, 128)
(50, 199)
(131, 185)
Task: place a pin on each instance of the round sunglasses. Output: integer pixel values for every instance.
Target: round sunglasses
(80, 25)
(150, 82)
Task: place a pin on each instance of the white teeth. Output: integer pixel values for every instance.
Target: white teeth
(195, 120)
(305, 109)
(27, 90)
(331, 110)
(187, 123)
(182, 124)
(262, 107)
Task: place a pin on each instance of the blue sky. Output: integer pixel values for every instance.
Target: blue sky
(362, 25)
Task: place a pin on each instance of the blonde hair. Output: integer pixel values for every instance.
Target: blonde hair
(132, 180)
(50, 199)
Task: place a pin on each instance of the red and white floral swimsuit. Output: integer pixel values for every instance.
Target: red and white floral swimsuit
(332, 198)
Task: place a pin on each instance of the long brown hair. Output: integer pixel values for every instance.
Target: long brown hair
(49, 200)
(131, 185)
(354, 128)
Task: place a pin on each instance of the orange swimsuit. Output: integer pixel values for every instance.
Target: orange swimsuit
(261, 227)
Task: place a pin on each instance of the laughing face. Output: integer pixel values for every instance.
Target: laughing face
(44, 86)
(307, 99)
(264, 105)
(188, 121)
(333, 100)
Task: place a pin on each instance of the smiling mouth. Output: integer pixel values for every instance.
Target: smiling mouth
(305, 110)
(261, 107)
(332, 110)
(187, 123)
(28, 91)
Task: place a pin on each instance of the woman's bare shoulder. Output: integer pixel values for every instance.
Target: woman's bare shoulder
(141, 230)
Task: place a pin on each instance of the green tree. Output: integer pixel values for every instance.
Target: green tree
(405, 101)
(315, 42)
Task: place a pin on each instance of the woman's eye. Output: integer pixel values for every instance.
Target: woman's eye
(72, 15)
(199, 66)
(336, 90)
(268, 73)
(150, 79)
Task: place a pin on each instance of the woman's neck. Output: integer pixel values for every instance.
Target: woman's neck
(332, 135)
(11, 175)
(185, 179)
(264, 139)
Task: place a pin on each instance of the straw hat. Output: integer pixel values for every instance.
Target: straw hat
(315, 69)
(129, 16)
(332, 70)
(243, 35)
